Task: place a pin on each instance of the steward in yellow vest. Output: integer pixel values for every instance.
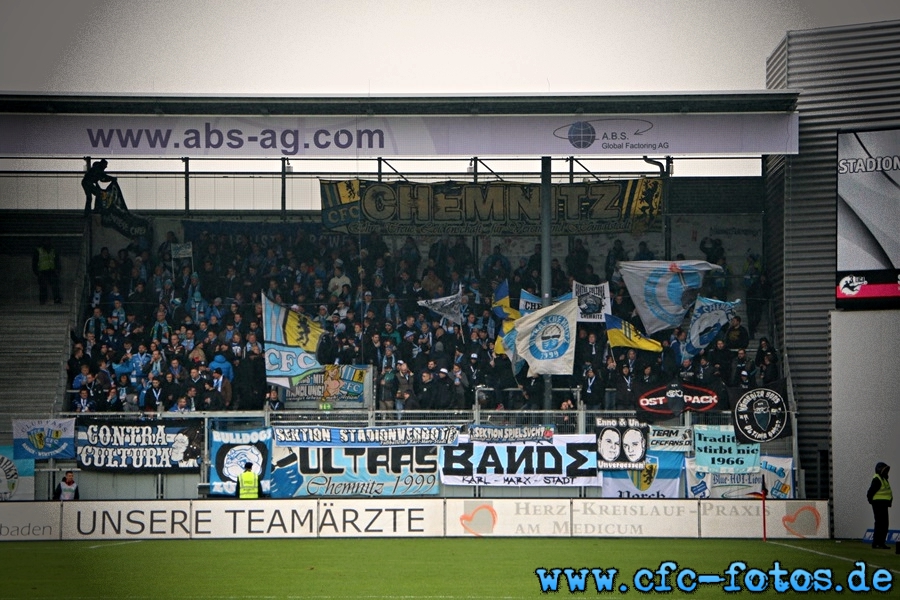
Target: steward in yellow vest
(881, 498)
(248, 484)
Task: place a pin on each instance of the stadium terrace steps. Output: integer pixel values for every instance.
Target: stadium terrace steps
(35, 343)
(22, 231)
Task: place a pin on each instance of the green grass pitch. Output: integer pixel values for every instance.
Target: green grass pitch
(439, 569)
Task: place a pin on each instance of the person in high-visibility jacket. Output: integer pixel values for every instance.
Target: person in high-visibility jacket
(46, 265)
(881, 498)
(249, 487)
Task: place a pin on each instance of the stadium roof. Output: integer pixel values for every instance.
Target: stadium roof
(763, 101)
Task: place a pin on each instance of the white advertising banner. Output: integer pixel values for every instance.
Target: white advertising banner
(484, 517)
(381, 518)
(26, 521)
(630, 518)
(785, 519)
(126, 520)
(482, 135)
(253, 519)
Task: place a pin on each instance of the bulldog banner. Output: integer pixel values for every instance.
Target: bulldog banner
(230, 451)
(170, 445)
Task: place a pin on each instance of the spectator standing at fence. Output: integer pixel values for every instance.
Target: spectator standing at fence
(67, 489)
(45, 264)
(881, 498)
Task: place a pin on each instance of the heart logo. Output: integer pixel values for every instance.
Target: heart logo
(805, 522)
(480, 520)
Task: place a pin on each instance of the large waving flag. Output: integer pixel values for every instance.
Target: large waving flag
(291, 340)
(622, 333)
(448, 306)
(545, 339)
(662, 291)
(708, 318)
(501, 306)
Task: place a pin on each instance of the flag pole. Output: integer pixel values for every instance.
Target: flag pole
(765, 492)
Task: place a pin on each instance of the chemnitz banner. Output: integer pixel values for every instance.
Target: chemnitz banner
(163, 446)
(41, 439)
(569, 460)
(230, 451)
(496, 208)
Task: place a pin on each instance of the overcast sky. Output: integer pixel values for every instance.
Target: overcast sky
(359, 47)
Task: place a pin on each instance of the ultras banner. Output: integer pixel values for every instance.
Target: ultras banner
(569, 460)
(230, 451)
(169, 445)
(399, 435)
(354, 471)
(496, 208)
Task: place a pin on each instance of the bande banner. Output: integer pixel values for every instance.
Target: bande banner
(660, 478)
(168, 445)
(495, 208)
(777, 471)
(621, 443)
(367, 437)
(593, 301)
(230, 451)
(42, 439)
(761, 415)
(716, 450)
(672, 439)
(348, 471)
(569, 460)
(670, 400)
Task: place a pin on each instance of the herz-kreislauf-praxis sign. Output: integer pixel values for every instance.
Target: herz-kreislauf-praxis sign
(364, 136)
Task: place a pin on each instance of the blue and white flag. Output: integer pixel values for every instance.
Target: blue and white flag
(660, 478)
(706, 322)
(662, 292)
(546, 339)
(41, 439)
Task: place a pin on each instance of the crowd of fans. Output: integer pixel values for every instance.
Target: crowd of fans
(185, 335)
